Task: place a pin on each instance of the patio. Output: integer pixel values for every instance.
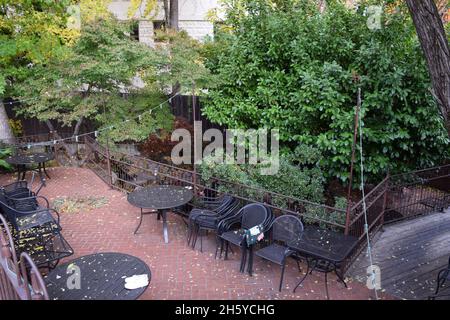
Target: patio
(178, 272)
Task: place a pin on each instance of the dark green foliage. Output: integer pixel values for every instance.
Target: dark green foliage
(5, 152)
(292, 180)
(296, 69)
(94, 79)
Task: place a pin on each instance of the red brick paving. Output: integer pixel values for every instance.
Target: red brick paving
(178, 272)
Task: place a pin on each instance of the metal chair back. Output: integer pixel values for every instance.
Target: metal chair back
(19, 279)
(286, 228)
(255, 214)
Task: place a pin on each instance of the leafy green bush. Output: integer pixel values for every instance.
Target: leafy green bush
(285, 65)
(4, 153)
(292, 180)
(301, 180)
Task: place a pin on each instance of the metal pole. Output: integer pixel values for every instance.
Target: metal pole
(386, 189)
(194, 116)
(108, 155)
(108, 161)
(349, 191)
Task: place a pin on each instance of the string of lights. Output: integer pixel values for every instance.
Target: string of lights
(96, 133)
(20, 101)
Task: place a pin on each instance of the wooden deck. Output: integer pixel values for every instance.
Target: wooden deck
(410, 255)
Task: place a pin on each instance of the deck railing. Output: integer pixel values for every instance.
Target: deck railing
(417, 193)
(126, 172)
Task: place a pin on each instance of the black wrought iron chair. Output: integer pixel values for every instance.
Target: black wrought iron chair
(26, 213)
(204, 220)
(442, 278)
(284, 229)
(19, 279)
(232, 230)
(22, 188)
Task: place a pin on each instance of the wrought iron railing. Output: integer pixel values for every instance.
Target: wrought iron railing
(126, 172)
(417, 193)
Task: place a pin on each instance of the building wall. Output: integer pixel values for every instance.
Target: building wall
(192, 18)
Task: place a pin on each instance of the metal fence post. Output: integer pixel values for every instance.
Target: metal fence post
(386, 189)
(108, 162)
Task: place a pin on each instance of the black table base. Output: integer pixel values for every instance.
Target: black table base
(22, 160)
(41, 170)
(323, 266)
(159, 199)
(325, 251)
(159, 213)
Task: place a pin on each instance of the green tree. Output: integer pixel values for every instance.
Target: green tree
(31, 32)
(297, 69)
(181, 60)
(434, 42)
(96, 79)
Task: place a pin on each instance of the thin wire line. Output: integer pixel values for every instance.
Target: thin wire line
(366, 224)
(96, 132)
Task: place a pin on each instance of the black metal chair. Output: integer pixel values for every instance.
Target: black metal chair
(250, 216)
(284, 229)
(36, 229)
(204, 220)
(22, 188)
(19, 279)
(442, 278)
(27, 213)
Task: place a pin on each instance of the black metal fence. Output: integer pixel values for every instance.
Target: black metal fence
(126, 172)
(417, 193)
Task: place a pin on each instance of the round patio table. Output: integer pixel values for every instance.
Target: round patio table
(101, 277)
(159, 198)
(22, 160)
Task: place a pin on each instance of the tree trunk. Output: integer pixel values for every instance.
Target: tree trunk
(76, 131)
(6, 133)
(166, 12)
(433, 40)
(71, 151)
(173, 20)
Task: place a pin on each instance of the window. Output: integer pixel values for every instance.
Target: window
(159, 25)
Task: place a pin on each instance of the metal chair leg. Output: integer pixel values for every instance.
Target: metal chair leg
(226, 250)
(442, 275)
(340, 278)
(283, 266)
(201, 239)
(326, 285)
(189, 232)
(243, 259)
(194, 241)
(217, 247)
(140, 222)
(304, 277)
(250, 260)
(221, 247)
(298, 265)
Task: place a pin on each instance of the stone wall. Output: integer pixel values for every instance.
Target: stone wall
(192, 18)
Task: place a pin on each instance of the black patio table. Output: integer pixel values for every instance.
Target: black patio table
(102, 277)
(159, 198)
(325, 250)
(22, 160)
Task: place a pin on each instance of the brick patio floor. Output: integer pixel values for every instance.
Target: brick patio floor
(178, 272)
